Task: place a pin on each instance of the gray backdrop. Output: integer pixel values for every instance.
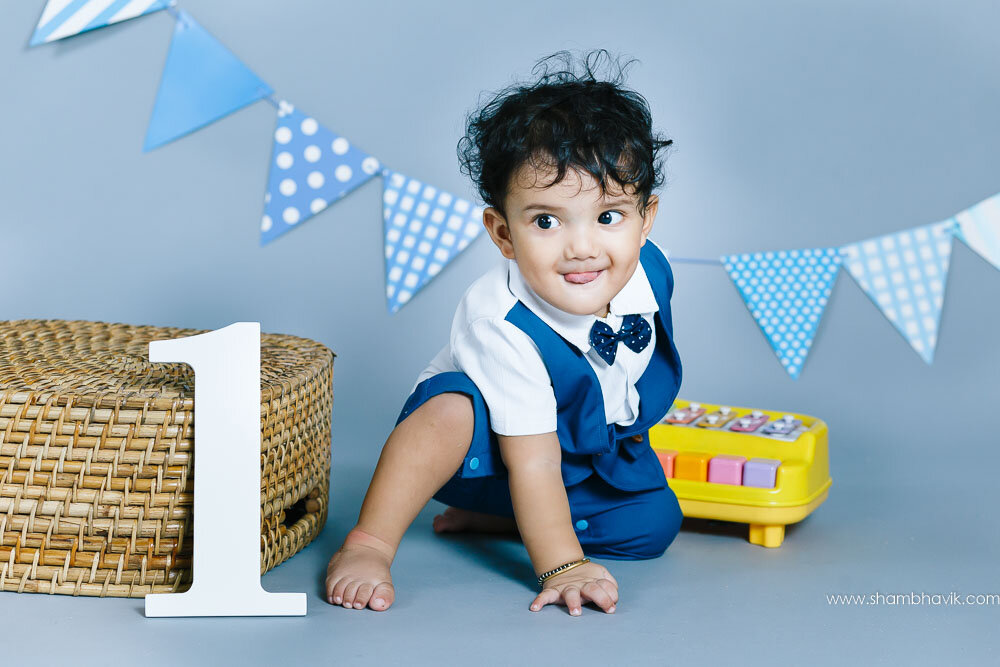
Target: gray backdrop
(795, 124)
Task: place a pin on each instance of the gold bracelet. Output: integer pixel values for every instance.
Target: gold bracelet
(562, 568)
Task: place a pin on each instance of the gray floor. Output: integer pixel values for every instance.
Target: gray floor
(713, 597)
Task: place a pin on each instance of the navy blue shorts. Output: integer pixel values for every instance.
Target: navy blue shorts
(610, 523)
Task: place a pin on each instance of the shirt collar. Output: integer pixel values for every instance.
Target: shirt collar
(635, 297)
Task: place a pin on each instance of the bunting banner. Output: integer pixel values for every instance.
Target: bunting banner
(424, 230)
(786, 292)
(202, 81)
(905, 274)
(311, 167)
(65, 18)
(979, 228)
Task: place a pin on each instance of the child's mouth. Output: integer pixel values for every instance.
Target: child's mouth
(581, 278)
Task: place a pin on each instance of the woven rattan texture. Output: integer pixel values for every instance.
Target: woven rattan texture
(96, 456)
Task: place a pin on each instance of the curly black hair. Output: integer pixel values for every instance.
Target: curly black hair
(564, 120)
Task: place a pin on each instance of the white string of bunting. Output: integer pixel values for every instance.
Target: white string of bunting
(786, 291)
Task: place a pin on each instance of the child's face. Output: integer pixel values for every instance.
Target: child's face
(575, 246)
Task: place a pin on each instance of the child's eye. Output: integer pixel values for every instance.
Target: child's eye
(607, 219)
(546, 221)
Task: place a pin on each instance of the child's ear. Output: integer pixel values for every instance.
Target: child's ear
(499, 231)
(647, 220)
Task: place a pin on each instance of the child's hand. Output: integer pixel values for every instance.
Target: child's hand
(589, 581)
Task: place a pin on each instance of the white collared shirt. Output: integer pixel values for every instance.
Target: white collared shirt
(506, 366)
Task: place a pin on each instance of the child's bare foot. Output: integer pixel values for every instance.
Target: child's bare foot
(455, 520)
(358, 574)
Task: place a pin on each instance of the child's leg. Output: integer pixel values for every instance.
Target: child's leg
(623, 525)
(420, 455)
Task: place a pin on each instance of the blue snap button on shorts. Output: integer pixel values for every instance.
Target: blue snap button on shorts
(610, 523)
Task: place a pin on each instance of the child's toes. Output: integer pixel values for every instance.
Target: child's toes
(336, 592)
(451, 520)
(350, 592)
(363, 596)
(383, 596)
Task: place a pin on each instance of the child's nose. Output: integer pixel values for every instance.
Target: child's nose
(581, 245)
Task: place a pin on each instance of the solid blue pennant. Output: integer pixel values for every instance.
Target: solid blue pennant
(202, 81)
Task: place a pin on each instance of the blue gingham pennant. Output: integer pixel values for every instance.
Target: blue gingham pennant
(786, 292)
(425, 229)
(311, 167)
(979, 228)
(65, 18)
(905, 273)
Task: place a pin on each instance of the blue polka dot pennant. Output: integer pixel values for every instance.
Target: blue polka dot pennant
(425, 229)
(65, 18)
(979, 228)
(311, 167)
(905, 273)
(786, 292)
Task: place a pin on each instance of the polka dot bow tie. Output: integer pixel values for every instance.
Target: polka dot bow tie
(635, 333)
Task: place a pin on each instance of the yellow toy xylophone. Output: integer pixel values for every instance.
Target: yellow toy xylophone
(767, 469)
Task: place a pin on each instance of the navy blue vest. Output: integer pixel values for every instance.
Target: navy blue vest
(587, 441)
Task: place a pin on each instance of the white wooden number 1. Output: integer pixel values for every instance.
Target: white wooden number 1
(226, 567)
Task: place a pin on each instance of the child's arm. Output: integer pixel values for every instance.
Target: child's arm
(546, 526)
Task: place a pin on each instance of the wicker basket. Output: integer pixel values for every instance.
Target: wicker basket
(96, 467)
